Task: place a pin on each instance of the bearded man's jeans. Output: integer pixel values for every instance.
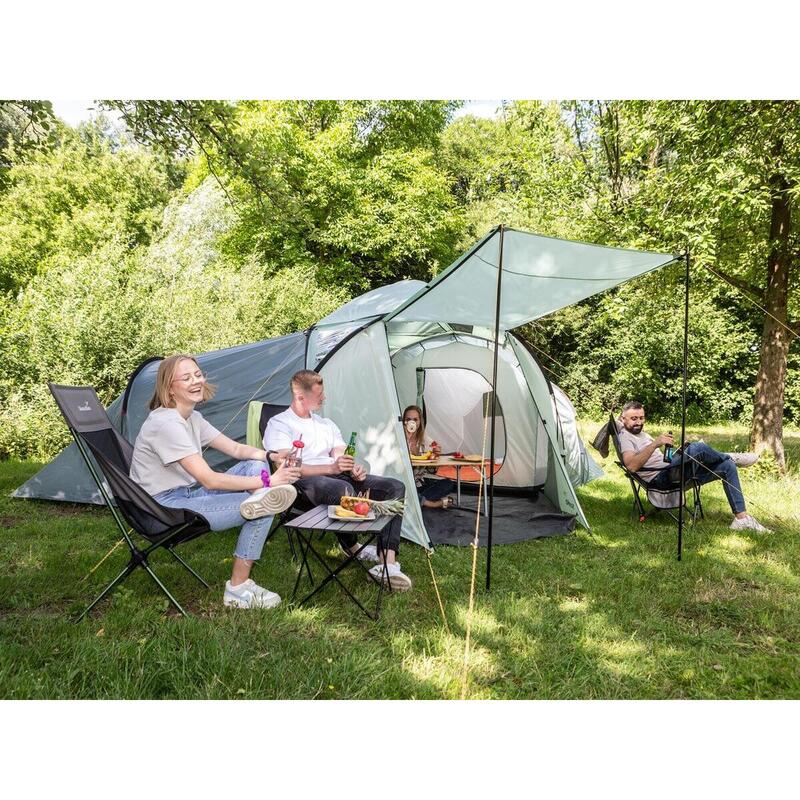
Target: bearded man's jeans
(704, 464)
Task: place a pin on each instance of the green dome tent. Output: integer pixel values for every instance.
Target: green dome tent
(413, 342)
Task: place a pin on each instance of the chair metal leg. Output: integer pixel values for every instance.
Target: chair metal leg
(129, 567)
(146, 567)
(181, 561)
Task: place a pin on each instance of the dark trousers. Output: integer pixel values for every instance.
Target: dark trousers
(435, 489)
(329, 489)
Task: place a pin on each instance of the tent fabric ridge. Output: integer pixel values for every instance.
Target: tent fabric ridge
(339, 345)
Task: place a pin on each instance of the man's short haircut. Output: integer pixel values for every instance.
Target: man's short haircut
(305, 380)
(632, 404)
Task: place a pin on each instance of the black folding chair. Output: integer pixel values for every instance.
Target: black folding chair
(658, 499)
(162, 527)
(258, 416)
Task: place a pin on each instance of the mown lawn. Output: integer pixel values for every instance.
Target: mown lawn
(608, 615)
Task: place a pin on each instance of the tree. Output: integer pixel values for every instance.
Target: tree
(68, 200)
(350, 188)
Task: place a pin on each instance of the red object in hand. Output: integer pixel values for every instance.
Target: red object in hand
(362, 509)
(299, 443)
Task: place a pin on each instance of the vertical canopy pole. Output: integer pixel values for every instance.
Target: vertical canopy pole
(682, 493)
(494, 414)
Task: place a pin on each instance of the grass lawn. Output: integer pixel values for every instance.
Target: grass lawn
(608, 615)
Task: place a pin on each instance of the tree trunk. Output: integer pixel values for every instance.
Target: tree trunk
(767, 428)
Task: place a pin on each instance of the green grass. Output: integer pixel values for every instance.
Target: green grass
(608, 615)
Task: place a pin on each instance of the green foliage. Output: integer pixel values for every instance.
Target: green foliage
(522, 169)
(94, 319)
(25, 125)
(641, 330)
(348, 187)
(62, 203)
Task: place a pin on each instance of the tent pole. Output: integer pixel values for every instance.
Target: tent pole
(494, 414)
(681, 494)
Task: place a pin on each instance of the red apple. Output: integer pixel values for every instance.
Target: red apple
(362, 509)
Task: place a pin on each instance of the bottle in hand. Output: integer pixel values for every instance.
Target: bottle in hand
(350, 450)
(295, 455)
(669, 450)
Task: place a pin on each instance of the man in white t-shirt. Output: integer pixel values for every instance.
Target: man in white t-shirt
(641, 454)
(327, 474)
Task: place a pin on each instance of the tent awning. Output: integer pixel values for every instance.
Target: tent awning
(540, 275)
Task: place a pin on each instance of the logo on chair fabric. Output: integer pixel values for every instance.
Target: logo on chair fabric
(85, 407)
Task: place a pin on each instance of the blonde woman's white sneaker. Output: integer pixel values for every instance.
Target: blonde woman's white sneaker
(268, 502)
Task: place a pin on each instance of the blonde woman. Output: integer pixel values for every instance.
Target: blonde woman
(432, 493)
(168, 464)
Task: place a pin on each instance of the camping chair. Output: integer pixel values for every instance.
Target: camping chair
(258, 415)
(101, 445)
(659, 499)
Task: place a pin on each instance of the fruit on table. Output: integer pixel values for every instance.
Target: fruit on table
(380, 507)
(458, 454)
(362, 508)
(345, 512)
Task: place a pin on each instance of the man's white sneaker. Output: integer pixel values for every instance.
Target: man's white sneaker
(249, 595)
(748, 523)
(268, 502)
(397, 580)
(369, 553)
(743, 459)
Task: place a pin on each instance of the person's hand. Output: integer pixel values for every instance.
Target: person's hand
(343, 464)
(284, 475)
(436, 449)
(359, 473)
(665, 438)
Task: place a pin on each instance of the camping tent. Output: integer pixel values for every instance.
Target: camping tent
(415, 341)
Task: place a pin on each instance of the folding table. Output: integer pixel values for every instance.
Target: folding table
(458, 463)
(318, 521)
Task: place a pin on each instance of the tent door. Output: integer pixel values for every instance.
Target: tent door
(456, 402)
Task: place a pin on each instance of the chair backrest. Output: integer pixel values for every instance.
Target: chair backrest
(94, 434)
(613, 433)
(258, 415)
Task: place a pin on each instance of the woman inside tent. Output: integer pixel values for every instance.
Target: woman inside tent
(432, 493)
(168, 464)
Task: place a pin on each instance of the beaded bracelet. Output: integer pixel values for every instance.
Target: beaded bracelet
(265, 478)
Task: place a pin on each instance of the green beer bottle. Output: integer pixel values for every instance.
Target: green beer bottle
(350, 450)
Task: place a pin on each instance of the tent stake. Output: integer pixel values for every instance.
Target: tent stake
(494, 414)
(681, 497)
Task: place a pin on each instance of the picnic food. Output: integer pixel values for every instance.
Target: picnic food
(458, 454)
(423, 456)
(361, 508)
(380, 507)
(347, 513)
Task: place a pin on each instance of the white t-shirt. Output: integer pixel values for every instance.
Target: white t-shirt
(165, 438)
(320, 436)
(635, 443)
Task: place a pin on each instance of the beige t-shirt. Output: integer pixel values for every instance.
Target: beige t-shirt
(630, 443)
(165, 438)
